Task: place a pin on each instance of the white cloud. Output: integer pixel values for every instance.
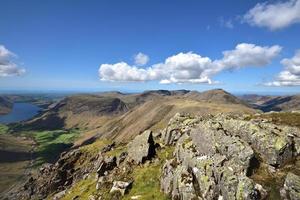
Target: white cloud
(190, 67)
(226, 23)
(7, 67)
(290, 76)
(249, 55)
(274, 16)
(141, 59)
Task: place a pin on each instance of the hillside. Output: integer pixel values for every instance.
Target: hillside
(5, 105)
(274, 103)
(193, 157)
(76, 111)
(123, 116)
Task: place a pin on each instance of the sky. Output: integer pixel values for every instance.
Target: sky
(241, 46)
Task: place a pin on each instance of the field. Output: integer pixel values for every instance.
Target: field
(21, 151)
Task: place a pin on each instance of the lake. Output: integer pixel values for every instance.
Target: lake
(20, 112)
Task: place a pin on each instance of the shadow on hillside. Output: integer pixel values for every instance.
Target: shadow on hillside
(10, 156)
(51, 122)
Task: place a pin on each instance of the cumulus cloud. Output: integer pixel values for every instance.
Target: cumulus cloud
(290, 76)
(190, 67)
(274, 16)
(7, 66)
(141, 59)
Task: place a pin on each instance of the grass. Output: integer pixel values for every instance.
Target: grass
(11, 173)
(83, 189)
(3, 129)
(51, 143)
(281, 118)
(147, 178)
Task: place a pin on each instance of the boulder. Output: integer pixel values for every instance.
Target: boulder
(107, 164)
(142, 148)
(291, 188)
(121, 186)
(271, 142)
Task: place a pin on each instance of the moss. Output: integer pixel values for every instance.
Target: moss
(280, 143)
(240, 191)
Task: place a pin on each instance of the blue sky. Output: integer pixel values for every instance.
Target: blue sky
(60, 45)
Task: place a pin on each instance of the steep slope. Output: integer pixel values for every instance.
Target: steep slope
(273, 103)
(284, 103)
(77, 111)
(155, 114)
(5, 105)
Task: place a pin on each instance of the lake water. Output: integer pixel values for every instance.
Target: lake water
(20, 112)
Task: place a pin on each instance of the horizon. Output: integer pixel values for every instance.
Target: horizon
(54, 46)
(94, 91)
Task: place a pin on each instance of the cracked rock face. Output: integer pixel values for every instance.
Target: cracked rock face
(215, 157)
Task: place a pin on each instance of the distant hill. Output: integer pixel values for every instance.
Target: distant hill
(285, 103)
(216, 96)
(5, 105)
(274, 103)
(123, 116)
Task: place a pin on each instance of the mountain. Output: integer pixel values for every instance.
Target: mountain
(216, 96)
(77, 111)
(161, 145)
(123, 116)
(284, 103)
(5, 105)
(274, 103)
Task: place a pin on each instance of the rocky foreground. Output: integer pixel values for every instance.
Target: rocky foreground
(214, 157)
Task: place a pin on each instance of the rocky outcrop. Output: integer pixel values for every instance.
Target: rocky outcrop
(177, 126)
(275, 144)
(142, 148)
(105, 165)
(215, 157)
(291, 188)
(53, 178)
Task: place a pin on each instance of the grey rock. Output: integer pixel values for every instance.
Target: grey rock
(106, 165)
(210, 164)
(142, 148)
(59, 195)
(291, 188)
(121, 187)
